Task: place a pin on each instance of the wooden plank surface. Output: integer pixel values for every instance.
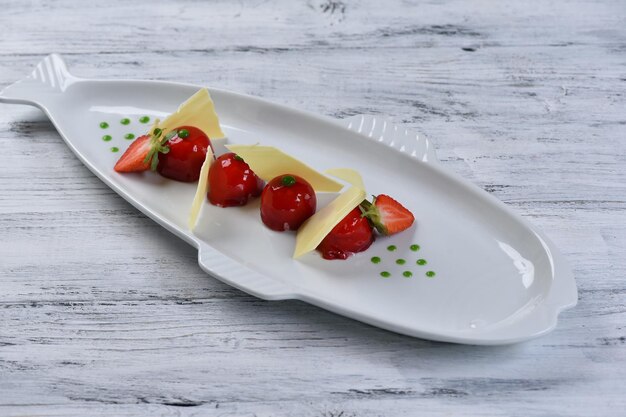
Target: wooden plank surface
(103, 313)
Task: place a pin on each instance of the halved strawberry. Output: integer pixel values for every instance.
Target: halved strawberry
(387, 215)
(143, 153)
(133, 160)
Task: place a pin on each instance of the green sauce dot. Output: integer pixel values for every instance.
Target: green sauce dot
(288, 180)
(106, 138)
(144, 119)
(375, 260)
(421, 262)
(415, 248)
(400, 261)
(391, 248)
(430, 274)
(183, 133)
(125, 121)
(407, 274)
(115, 149)
(129, 136)
(385, 274)
(104, 125)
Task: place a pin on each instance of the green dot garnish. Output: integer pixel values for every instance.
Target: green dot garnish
(430, 274)
(144, 119)
(125, 121)
(106, 138)
(129, 136)
(407, 274)
(375, 260)
(391, 248)
(115, 149)
(288, 180)
(421, 262)
(415, 248)
(104, 125)
(183, 133)
(385, 274)
(400, 261)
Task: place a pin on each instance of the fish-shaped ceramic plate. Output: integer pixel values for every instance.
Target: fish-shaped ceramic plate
(470, 271)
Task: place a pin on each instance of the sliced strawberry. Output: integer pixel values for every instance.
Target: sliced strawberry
(133, 160)
(143, 153)
(387, 215)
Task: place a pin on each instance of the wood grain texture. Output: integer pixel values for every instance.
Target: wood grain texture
(104, 313)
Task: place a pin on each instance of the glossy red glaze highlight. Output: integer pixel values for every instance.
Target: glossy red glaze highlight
(232, 182)
(186, 156)
(351, 235)
(287, 206)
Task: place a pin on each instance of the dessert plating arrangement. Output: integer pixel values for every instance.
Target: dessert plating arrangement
(356, 216)
(288, 201)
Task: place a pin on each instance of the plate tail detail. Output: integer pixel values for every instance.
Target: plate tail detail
(50, 76)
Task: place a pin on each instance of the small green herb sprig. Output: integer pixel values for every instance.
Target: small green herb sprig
(157, 146)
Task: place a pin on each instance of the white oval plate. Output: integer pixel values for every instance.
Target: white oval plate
(498, 279)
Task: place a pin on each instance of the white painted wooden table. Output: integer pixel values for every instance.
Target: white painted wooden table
(104, 313)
